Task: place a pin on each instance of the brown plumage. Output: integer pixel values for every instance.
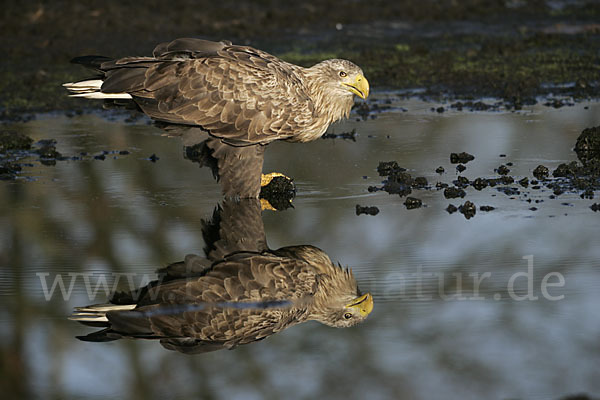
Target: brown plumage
(237, 168)
(239, 293)
(237, 93)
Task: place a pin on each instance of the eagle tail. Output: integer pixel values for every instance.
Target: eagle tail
(115, 79)
(92, 89)
(95, 315)
(118, 321)
(104, 335)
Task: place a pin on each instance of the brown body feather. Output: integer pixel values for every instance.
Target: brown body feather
(237, 93)
(247, 278)
(239, 293)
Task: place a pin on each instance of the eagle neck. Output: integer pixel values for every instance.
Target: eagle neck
(333, 287)
(330, 103)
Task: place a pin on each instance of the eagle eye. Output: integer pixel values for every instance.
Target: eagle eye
(348, 315)
(343, 74)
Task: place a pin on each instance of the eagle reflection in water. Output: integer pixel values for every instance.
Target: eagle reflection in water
(239, 293)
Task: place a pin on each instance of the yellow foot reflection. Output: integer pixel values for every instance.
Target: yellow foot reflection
(265, 205)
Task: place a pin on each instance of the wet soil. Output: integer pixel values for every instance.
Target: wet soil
(18, 152)
(412, 203)
(344, 135)
(367, 210)
(587, 146)
(462, 158)
(582, 178)
(514, 51)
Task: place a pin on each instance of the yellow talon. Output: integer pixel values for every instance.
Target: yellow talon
(265, 179)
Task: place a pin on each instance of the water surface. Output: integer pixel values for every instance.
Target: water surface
(447, 321)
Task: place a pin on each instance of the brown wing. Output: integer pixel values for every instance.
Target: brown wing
(251, 279)
(237, 93)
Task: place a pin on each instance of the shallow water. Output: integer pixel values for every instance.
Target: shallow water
(503, 305)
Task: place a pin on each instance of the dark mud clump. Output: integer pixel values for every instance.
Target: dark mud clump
(412, 203)
(368, 210)
(420, 182)
(454, 192)
(486, 208)
(461, 182)
(9, 170)
(279, 192)
(13, 145)
(558, 103)
(451, 209)
(480, 183)
(17, 150)
(46, 149)
(524, 182)
(462, 158)
(468, 209)
(371, 109)
(474, 106)
(541, 172)
(509, 191)
(398, 180)
(587, 146)
(387, 168)
(399, 184)
(503, 170)
(576, 177)
(584, 177)
(12, 141)
(573, 177)
(344, 135)
(595, 207)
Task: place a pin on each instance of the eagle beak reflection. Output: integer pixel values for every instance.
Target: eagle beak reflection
(364, 304)
(359, 87)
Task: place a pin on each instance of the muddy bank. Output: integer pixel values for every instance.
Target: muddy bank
(515, 51)
(580, 177)
(18, 152)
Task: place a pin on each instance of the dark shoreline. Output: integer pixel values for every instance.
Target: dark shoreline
(467, 51)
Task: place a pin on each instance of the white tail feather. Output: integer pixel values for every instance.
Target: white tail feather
(94, 84)
(97, 312)
(105, 307)
(86, 318)
(90, 89)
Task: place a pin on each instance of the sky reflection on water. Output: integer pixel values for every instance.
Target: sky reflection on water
(129, 215)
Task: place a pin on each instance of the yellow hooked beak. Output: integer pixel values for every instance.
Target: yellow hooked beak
(359, 87)
(364, 304)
